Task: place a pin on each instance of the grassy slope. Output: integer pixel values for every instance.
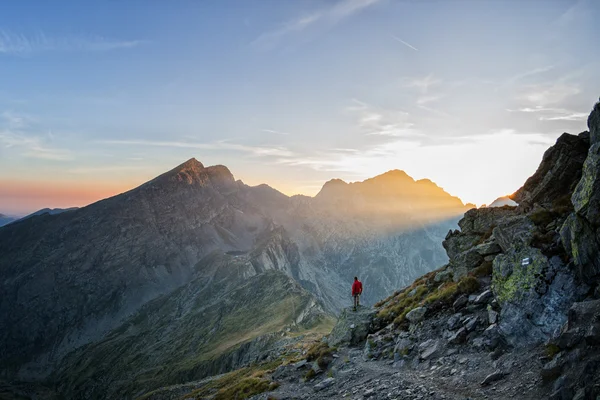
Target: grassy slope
(177, 339)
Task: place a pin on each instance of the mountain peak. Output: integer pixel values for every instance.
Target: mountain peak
(191, 164)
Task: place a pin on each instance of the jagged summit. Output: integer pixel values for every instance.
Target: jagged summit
(394, 174)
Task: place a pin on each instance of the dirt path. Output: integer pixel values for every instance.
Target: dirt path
(457, 378)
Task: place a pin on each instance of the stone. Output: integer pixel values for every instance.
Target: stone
(492, 336)
(514, 232)
(460, 302)
(300, 364)
(429, 349)
(324, 384)
(463, 263)
(493, 377)
(459, 336)
(443, 276)
(484, 297)
(488, 248)
(352, 327)
(403, 346)
(552, 369)
(471, 323)
(492, 316)
(454, 321)
(416, 315)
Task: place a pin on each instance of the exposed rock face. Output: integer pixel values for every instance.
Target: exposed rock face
(352, 327)
(580, 232)
(558, 173)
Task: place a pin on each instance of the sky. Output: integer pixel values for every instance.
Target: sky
(99, 97)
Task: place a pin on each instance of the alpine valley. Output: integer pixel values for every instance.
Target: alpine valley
(194, 274)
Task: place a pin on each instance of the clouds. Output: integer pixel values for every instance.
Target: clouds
(553, 114)
(32, 146)
(377, 121)
(21, 44)
(256, 151)
(404, 43)
(326, 16)
(17, 136)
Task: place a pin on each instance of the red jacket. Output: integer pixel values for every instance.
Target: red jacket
(356, 288)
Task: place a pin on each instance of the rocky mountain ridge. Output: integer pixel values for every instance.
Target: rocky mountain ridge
(514, 313)
(129, 270)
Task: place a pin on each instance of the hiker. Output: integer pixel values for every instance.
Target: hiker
(356, 292)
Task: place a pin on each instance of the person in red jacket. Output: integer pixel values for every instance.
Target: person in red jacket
(356, 292)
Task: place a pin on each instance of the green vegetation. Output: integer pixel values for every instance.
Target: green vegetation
(246, 388)
(322, 353)
(240, 384)
(425, 291)
(551, 350)
(522, 277)
(310, 374)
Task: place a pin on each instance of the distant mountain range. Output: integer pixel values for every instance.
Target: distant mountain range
(178, 273)
(5, 219)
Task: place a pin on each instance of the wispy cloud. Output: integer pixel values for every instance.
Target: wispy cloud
(530, 73)
(12, 43)
(258, 151)
(553, 114)
(423, 84)
(32, 146)
(378, 121)
(549, 94)
(405, 43)
(275, 132)
(332, 15)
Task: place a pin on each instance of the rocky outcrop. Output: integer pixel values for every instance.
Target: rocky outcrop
(580, 232)
(352, 327)
(558, 173)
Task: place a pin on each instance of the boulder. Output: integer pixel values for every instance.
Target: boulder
(464, 262)
(460, 302)
(478, 221)
(324, 384)
(535, 294)
(514, 232)
(443, 276)
(454, 321)
(429, 349)
(352, 327)
(488, 248)
(471, 323)
(460, 336)
(493, 377)
(492, 316)
(416, 315)
(484, 297)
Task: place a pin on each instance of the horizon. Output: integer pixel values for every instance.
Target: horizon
(290, 94)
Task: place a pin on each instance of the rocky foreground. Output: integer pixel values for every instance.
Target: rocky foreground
(514, 314)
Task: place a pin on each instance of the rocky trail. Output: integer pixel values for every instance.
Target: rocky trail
(455, 373)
